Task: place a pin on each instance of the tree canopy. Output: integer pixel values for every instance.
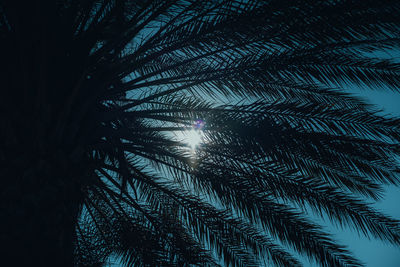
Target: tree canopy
(97, 96)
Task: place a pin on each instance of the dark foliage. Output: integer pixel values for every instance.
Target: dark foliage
(93, 93)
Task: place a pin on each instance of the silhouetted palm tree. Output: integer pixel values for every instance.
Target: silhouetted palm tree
(96, 96)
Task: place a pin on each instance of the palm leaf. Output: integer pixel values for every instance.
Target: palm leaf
(97, 90)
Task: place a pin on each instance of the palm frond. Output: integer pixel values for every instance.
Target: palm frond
(97, 91)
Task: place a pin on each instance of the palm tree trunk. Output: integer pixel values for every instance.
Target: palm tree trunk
(40, 207)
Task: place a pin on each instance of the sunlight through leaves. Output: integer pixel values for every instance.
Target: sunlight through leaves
(193, 137)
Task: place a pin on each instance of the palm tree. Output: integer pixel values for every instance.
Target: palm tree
(98, 95)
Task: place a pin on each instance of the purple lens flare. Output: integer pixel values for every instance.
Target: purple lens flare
(198, 124)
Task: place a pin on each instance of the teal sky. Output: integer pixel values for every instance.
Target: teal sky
(375, 253)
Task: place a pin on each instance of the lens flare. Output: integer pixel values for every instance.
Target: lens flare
(199, 124)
